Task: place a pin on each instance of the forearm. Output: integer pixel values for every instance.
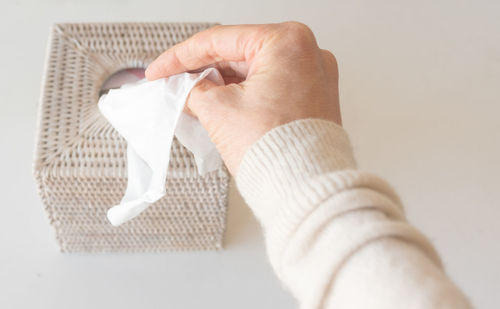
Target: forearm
(331, 230)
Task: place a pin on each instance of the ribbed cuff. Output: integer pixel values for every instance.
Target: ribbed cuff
(275, 169)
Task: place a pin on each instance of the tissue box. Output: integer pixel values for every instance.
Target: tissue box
(80, 160)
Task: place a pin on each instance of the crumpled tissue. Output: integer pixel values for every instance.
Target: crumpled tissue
(148, 114)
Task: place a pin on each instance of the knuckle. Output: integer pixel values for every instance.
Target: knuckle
(329, 56)
(299, 36)
(299, 30)
(297, 27)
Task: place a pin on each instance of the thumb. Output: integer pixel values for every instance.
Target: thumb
(209, 102)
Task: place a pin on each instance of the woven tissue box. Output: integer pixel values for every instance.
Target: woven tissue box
(80, 160)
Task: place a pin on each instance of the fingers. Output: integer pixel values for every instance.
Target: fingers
(211, 103)
(220, 43)
(200, 98)
(233, 70)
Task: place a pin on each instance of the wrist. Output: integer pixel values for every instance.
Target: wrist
(288, 159)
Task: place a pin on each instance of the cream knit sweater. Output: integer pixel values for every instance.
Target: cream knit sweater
(337, 237)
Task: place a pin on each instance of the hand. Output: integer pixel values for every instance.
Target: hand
(274, 74)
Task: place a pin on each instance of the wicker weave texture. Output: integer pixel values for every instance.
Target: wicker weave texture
(80, 160)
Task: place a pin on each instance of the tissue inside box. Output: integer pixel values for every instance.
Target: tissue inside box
(125, 76)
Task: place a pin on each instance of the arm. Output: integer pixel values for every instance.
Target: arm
(336, 237)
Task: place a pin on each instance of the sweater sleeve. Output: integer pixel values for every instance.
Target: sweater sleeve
(337, 237)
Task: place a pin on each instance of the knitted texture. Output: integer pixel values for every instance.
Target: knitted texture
(80, 160)
(337, 237)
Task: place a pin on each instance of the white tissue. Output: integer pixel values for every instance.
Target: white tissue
(148, 114)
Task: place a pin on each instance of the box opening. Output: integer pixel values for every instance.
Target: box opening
(125, 76)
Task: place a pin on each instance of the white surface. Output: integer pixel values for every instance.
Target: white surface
(421, 100)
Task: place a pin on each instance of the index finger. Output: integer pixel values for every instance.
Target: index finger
(219, 43)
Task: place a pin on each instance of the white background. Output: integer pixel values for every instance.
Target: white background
(420, 91)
